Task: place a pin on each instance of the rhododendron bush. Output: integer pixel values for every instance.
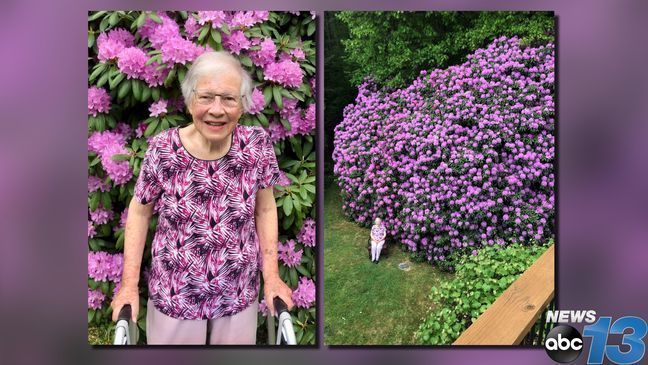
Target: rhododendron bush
(136, 63)
(460, 159)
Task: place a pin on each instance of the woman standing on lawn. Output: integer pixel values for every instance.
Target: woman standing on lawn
(211, 183)
(378, 234)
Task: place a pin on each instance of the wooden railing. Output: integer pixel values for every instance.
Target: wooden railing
(511, 316)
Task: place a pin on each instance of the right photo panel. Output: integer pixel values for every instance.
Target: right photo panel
(440, 177)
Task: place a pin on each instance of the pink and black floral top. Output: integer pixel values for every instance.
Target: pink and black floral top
(377, 232)
(205, 259)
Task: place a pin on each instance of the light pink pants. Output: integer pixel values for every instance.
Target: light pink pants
(239, 329)
(376, 247)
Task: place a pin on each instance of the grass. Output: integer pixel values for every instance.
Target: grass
(367, 303)
(100, 335)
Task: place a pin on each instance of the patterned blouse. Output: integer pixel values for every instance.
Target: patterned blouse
(377, 232)
(205, 252)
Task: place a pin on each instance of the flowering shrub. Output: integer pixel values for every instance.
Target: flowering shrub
(480, 279)
(460, 159)
(136, 63)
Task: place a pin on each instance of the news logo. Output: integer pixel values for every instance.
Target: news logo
(564, 343)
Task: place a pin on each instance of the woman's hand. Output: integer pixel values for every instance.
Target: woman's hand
(126, 295)
(273, 287)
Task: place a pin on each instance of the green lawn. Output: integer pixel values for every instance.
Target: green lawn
(367, 303)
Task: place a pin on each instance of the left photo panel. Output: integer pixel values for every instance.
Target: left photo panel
(201, 178)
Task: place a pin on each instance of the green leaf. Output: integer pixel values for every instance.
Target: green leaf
(105, 201)
(293, 277)
(263, 120)
(267, 95)
(170, 77)
(96, 15)
(287, 205)
(311, 29)
(137, 89)
(155, 18)
(155, 93)
(146, 93)
(181, 73)
(97, 71)
(120, 157)
(204, 31)
(104, 24)
(91, 38)
(116, 80)
(91, 314)
(102, 80)
(124, 89)
(215, 35)
(94, 201)
(151, 128)
(225, 29)
(140, 20)
(245, 61)
(302, 270)
(113, 19)
(276, 93)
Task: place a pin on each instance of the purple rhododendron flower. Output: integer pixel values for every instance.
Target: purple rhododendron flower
(286, 73)
(288, 255)
(98, 101)
(95, 298)
(304, 295)
(158, 108)
(258, 102)
(236, 42)
(131, 62)
(91, 230)
(307, 234)
(103, 266)
(460, 157)
(101, 215)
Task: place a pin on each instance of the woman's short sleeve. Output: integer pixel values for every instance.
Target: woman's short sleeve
(148, 187)
(269, 170)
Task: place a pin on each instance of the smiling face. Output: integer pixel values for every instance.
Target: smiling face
(216, 120)
(377, 221)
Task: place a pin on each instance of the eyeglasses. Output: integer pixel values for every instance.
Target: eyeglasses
(226, 100)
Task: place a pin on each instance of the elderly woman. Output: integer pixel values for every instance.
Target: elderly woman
(211, 183)
(378, 234)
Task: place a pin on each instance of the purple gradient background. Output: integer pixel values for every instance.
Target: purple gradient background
(603, 176)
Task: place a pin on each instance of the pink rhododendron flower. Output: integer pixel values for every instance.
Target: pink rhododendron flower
(304, 295)
(131, 62)
(258, 102)
(158, 108)
(103, 266)
(217, 18)
(95, 298)
(307, 234)
(98, 101)
(266, 54)
(101, 215)
(236, 42)
(91, 230)
(288, 255)
(286, 73)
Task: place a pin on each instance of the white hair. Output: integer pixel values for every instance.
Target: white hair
(210, 63)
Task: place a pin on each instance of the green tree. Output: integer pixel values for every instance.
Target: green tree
(393, 47)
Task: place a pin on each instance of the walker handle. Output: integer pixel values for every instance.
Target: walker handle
(125, 313)
(280, 305)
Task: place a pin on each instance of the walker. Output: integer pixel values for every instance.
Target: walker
(126, 331)
(285, 331)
